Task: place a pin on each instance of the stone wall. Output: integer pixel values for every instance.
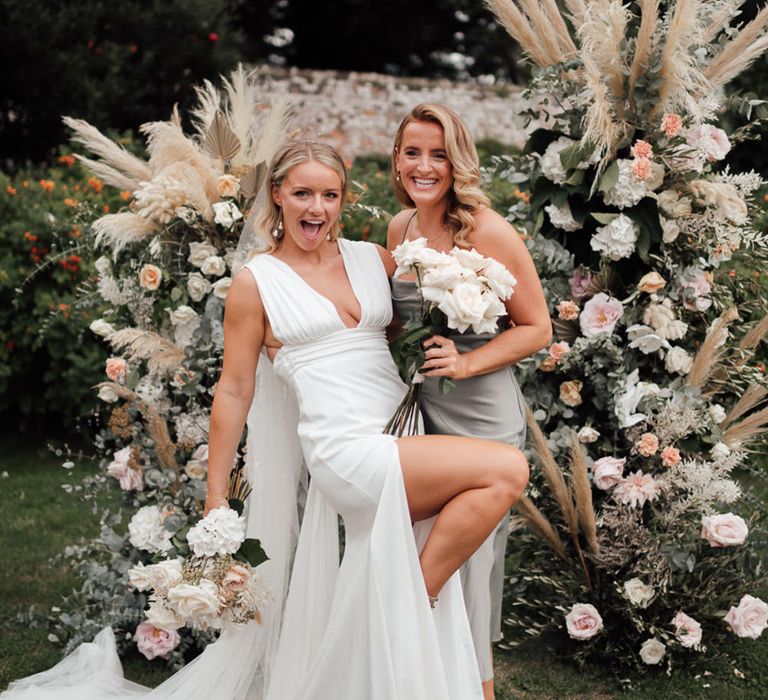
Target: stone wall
(359, 112)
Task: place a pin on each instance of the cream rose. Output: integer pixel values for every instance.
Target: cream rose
(570, 393)
(583, 621)
(464, 306)
(194, 602)
(199, 252)
(651, 282)
(161, 616)
(607, 472)
(101, 328)
(221, 287)
(227, 185)
(213, 265)
(749, 619)
(652, 651)
(678, 360)
(588, 434)
(197, 286)
(195, 470)
(108, 394)
(638, 592)
(724, 530)
(226, 214)
(150, 277)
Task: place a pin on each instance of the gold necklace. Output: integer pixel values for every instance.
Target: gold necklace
(430, 239)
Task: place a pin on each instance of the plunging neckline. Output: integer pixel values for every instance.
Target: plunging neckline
(322, 296)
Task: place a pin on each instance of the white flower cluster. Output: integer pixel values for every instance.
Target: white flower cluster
(146, 531)
(467, 287)
(222, 531)
(617, 239)
(628, 190)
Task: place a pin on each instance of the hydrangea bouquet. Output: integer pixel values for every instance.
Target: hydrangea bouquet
(459, 290)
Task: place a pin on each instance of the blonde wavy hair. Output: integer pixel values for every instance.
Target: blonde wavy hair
(465, 197)
(288, 156)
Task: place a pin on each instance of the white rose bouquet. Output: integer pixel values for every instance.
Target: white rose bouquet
(216, 581)
(460, 290)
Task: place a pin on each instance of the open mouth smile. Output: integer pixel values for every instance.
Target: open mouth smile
(311, 228)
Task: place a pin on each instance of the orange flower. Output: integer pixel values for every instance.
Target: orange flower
(125, 195)
(30, 236)
(67, 160)
(95, 184)
(105, 208)
(69, 202)
(48, 185)
(10, 190)
(75, 232)
(523, 195)
(25, 183)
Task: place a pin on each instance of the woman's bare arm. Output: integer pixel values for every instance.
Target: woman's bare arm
(243, 338)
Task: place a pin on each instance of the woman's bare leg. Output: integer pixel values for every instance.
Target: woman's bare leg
(469, 484)
(488, 693)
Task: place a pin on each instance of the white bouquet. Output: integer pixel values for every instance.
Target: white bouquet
(460, 290)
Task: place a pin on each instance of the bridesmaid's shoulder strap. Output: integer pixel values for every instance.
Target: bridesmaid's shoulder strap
(407, 225)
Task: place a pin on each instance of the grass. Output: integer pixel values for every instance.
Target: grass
(39, 518)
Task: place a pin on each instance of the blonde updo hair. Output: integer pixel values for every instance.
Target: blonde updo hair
(465, 197)
(288, 156)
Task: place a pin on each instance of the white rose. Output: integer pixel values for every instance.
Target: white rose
(442, 277)
(562, 217)
(628, 190)
(652, 651)
(464, 306)
(103, 265)
(140, 577)
(161, 616)
(197, 286)
(588, 434)
(213, 265)
(724, 530)
(583, 621)
(183, 315)
(717, 412)
(720, 450)
(221, 287)
(199, 252)
(674, 205)
(678, 360)
(101, 328)
(222, 531)
(656, 178)
(193, 602)
(406, 253)
(645, 339)
(186, 214)
(607, 472)
(108, 394)
(617, 239)
(722, 196)
(661, 317)
(499, 279)
(226, 214)
(550, 163)
(670, 230)
(749, 619)
(638, 593)
(227, 185)
(687, 630)
(195, 470)
(161, 576)
(470, 259)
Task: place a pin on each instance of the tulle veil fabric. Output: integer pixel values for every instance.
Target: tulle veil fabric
(236, 666)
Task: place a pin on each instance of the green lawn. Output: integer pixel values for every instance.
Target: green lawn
(39, 519)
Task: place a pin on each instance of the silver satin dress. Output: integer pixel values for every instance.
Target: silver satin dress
(488, 406)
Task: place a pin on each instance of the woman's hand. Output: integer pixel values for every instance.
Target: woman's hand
(444, 360)
(213, 501)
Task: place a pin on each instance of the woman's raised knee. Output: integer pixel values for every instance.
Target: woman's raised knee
(514, 473)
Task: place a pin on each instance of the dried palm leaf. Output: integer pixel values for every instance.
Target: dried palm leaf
(739, 53)
(162, 355)
(118, 230)
(681, 78)
(565, 330)
(739, 434)
(540, 524)
(711, 349)
(273, 132)
(649, 15)
(554, 476)
(582, 493)
(516, 23)
(603, 281)
(208, 105)
(749, 400)
(253, 181)
(114, 156)
(220, 141)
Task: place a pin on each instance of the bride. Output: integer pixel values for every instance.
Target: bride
(306, 363)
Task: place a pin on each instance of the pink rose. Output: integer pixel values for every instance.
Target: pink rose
(724, 530)
(687, 630)
(671, 124)
(607, 472)
(557, 351)
(583, 621)
(600, 315)
(641, 168)
(568, 311)
(579, 282)
(647, 445)
(712, 142)
(670, 456)
(116, 369)
(749, 619)
(131, 477)
(642, 149)
(155, 643)
(636, 489)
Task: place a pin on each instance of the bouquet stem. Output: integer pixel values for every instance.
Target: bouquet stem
(405, 420)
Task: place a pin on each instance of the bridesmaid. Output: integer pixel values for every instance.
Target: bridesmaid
(436, 176)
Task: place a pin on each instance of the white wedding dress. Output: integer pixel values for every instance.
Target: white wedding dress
(359, 629)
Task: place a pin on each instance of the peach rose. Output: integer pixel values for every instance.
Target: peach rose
(570, 392)
(548, 364)
(557, 351)
(235, 580)
(670, 456)
(647, 445)
(150, 277)
(671, 124)
(583, 621)
(116, 369)
(749, 619)
(724, 530)
(651, 282)
(568, 310)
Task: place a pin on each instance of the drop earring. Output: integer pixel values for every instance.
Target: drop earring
(397, 177)
(277, 232)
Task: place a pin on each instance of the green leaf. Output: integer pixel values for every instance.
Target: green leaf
(646, 215)
(446, 385)
(576, 178)
(571, 156)
(539, 140)
(133, 379)
(176, 294)
(252, 552)
(609, 178)
(237, 505)
(604, 218)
